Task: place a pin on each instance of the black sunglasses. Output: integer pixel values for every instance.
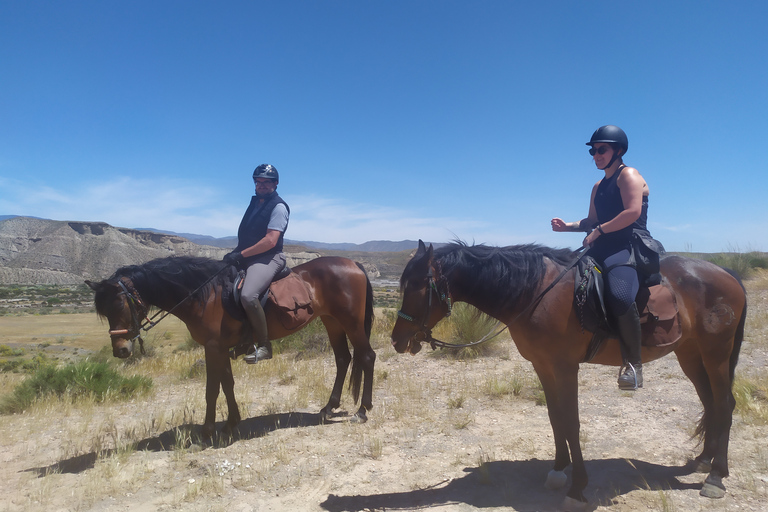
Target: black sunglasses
(600, 151)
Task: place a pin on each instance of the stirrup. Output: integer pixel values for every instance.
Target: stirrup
(630, 378)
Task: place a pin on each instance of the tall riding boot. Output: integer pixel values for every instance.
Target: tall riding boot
(631, 372)
(262, 346)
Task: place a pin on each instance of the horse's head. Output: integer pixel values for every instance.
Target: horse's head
(118, 301)
(425, 301)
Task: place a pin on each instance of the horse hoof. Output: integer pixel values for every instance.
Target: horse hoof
(358, 418)
(572, 505)
(713, 487)
(556, 480)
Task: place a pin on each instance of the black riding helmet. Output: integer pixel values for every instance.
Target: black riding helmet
(614, 136)
(266, 171)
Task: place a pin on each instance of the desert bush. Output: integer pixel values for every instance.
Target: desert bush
(743, 264)
(752, 399)
(467, 325)
(6, 351)
(312, 339)
(83, 379)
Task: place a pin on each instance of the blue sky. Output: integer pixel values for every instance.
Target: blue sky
(387, 120)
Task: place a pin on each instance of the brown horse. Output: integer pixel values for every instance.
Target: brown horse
(506, 283)
(342, 297)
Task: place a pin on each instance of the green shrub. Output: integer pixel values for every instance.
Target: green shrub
(743, 264)
(311, 340)
(6, 351)
(468, 325)
(97, 381)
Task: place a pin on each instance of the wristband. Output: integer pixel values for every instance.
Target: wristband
(600, 229)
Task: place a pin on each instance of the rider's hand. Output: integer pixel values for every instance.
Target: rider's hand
(234, 258)
(559, 225)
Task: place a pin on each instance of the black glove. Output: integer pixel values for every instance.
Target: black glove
(235, 258)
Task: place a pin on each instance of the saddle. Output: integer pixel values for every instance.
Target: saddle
(659, 314)
(288, 295)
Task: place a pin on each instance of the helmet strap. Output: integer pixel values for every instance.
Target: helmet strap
(615, 157)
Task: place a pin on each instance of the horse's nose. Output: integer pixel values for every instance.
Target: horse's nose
(121, 352)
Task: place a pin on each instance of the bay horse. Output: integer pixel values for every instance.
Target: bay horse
(342, 297)
(507, 282)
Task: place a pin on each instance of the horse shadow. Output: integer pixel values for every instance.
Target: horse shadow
(189, 436)
(520, 485)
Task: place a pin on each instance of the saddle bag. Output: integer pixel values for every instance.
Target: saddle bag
(292, 301)
(646, 252)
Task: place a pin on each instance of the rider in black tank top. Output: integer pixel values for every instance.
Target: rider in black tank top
(618, 210)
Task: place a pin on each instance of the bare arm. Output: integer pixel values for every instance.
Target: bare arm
(584, 224)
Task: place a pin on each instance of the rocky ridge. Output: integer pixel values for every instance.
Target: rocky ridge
(38, 251)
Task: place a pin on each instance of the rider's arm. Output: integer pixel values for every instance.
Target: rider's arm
(586, 224)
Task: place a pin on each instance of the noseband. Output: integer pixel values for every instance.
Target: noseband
(425, 333)
(135, 304)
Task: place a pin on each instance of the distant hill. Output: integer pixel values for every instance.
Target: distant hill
(39, 251)
(230, 242)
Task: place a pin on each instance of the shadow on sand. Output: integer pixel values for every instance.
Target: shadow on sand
(186, 436)
(520, 485)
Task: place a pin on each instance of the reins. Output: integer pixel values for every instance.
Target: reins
(134, 300)
(434, 343)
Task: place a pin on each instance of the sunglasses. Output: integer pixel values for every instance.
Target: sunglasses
(600, 151)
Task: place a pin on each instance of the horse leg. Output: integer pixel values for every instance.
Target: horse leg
(342, 356)
(712, 383)
(693, 368)
(363, 362)
(560, 385)
(219, 373)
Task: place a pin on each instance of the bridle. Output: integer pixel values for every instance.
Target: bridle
(425, 333)
(138, 311)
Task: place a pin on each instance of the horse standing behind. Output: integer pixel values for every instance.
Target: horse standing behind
(342, 297)
(503, 282)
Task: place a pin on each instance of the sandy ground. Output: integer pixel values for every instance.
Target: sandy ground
(437, 439)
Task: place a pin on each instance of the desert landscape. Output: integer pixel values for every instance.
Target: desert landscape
(446, 433)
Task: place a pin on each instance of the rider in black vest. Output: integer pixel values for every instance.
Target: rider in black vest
(618, 212)
(260, 252)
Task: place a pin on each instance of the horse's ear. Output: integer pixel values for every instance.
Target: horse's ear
(423, 249)
(94, 286)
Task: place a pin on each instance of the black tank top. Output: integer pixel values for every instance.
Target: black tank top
(608, 205)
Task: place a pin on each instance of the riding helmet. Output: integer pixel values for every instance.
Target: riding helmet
(266, 171)
(611, 135)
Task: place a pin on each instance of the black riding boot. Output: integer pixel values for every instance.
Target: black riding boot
(631, 373)
(262, 347)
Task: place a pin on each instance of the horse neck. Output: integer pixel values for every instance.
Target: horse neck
(158, 296)
(462, 289)
(492, 296)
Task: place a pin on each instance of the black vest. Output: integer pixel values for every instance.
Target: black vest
(253, 227)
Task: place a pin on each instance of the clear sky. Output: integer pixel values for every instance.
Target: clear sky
(387, 120)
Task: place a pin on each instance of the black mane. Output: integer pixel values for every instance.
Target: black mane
(169, 280)
(509, 274)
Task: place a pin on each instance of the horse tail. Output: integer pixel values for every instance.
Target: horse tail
(356, 376)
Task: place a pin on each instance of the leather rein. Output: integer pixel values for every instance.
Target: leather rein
(425, 333)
